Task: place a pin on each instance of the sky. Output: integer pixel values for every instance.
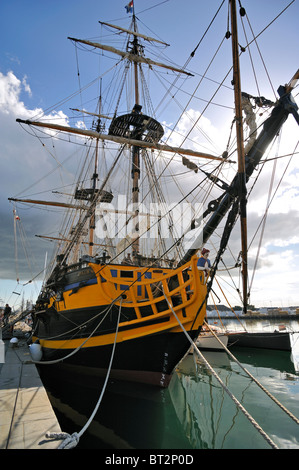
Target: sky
(38, 68)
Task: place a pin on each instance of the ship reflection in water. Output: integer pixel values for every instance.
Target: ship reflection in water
(195, 412)
(130, 416)
(210, 418)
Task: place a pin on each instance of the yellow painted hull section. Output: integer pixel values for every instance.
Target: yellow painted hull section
(136, 288)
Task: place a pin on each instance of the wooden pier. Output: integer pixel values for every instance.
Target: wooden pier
(26, 414)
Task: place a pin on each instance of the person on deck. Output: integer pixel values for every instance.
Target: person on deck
(203, 263)
(127, 260)
(6, 314)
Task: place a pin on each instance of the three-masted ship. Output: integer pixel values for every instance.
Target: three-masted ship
(116, 305)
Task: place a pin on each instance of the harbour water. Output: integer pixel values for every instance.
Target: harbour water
(195, 412)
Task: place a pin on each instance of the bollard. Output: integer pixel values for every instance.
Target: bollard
(2, 348)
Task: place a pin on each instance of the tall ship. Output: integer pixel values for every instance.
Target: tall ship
(124, 295)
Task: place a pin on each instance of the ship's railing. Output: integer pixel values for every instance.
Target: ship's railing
(145, 287)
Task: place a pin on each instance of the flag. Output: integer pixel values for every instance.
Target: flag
(129, 7)
(281, 327)
(15, 215)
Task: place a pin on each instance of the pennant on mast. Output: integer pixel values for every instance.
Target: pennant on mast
(129, 8)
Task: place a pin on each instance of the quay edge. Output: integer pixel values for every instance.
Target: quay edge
(26, 414)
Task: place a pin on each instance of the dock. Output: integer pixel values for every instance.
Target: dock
(26, 414)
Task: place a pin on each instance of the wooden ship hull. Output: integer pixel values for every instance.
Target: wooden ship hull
(136, 321)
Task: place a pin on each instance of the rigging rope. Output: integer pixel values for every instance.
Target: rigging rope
(16, 217)
(253, 378)
(269, 202)
(265, 216)
(259, 34)
(19, 229)
(56, 361)
(230, 304)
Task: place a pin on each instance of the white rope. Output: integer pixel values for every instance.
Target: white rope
(56, 361)
(235, 400)
(71, 440)
(253, 378)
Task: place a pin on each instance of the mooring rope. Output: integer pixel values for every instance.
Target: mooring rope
(293, 417)
(235, 400)
(14, 406)
(71, 440)
(56, 361)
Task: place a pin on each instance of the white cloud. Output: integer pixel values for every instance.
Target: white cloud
(10, 89)
(24, 163)
(201, 133)
(275, 283)
(26, 86)
(10, 103)
(80, 125)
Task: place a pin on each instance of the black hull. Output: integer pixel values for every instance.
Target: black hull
(276, 341)
(150, 359)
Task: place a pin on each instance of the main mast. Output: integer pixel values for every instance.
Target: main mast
(135, 149)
